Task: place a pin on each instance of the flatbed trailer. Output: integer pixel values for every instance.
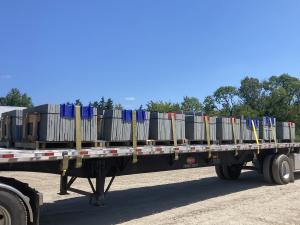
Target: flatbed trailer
(20, 204)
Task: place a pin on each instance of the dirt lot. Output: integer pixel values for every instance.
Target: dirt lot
(193, 196)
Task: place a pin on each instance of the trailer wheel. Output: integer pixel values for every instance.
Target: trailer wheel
(219, 172)
(281, 169)
(267, 169)
(232, 172)
(12, 210)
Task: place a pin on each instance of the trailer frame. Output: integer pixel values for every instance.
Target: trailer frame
(100, 163)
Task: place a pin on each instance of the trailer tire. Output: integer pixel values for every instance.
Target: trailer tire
(12, 209)
(219, 172)
(281, 169)
(232, 172)
(267, 169)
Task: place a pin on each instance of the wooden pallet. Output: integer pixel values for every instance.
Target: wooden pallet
(250, 141)
(285, 141)
(5, 144)
(196, 142)
(230, 142)
(128, 143)
(34, 145)
(262, 141)
(179, 142)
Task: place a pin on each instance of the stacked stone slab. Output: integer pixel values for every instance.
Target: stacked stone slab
(89, 123)
(225, 129)
(53, 126)
(116, 125)
(11, 129)
(100, 125)
(267, 127)
(286, 131)
(161, 126)
(247, 131)
(195, 129)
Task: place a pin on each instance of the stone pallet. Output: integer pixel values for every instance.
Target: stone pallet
(195, 129)
(6, 144)
(286, 131)
(129, 143)
(225, 130)
(11, 129)
(54, 127)
(195, 142)
(161, 126)
(113, 128)
(35, 145)
(265, 129)
(247, 132)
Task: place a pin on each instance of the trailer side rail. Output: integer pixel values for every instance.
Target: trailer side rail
(14, 156)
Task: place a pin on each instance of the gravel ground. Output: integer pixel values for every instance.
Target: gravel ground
(193, 196)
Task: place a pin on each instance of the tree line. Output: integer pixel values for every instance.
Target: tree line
(277, 96)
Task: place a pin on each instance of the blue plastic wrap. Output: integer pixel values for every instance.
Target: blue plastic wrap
(87, 112)
(67, 111)
(127, 116)
(140, 116)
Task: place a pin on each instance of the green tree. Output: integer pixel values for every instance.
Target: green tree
(161, 106)
(78, 102)
(141, 107)
(118, 107)
(94, 104)
(191, 104)
(2, 101)
(209, 106)
(102, 104)
(250, 92)
(109, 104)
(277, 104)
(226, 96)
(16, 98)
(289, 83)
(246, 111)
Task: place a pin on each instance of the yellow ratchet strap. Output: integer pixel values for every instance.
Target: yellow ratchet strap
(173, 121)
(233, 123)
(207, 129)
(78, 136)
(134, 138)
(290, 130)
(256, 136)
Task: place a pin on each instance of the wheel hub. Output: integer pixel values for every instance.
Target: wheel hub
(285, 170)
(5, 217)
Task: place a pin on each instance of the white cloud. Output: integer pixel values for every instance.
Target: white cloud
(6, 76)
(131, 99)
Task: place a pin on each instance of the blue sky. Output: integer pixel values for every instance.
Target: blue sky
(134, 51)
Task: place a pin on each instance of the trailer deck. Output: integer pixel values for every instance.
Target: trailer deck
(276, 161)
(14, 155)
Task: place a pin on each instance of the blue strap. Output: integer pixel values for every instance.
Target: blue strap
(67, 111)
(273, 121)
(249, 123)
(267, 120)
(127, 116)
(140, 116)
(256, 123)
(87, 112)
